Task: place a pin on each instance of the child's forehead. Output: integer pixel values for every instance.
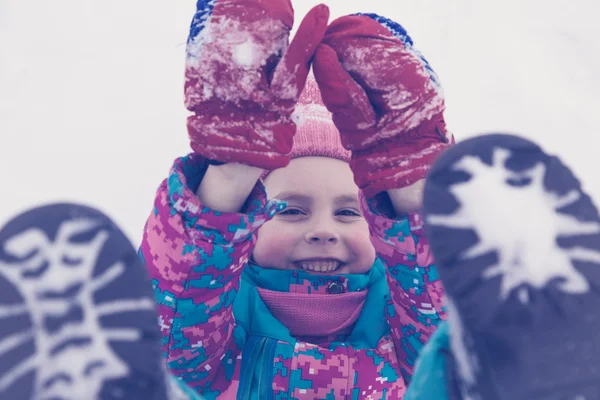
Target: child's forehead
(312, 176)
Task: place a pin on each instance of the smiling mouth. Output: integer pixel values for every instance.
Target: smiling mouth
(319, 265)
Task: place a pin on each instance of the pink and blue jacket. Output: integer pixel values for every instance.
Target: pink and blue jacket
(220, 338)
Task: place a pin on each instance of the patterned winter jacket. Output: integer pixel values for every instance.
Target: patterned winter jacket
(220, 339)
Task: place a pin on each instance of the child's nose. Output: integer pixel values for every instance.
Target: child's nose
(322, 236)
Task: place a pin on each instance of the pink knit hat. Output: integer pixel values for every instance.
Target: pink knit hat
(316, 134)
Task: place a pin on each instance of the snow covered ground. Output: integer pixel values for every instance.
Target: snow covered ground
(91, 103)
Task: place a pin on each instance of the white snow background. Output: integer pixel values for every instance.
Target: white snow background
(91, 103)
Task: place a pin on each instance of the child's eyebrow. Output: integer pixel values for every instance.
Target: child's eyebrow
(346, 198)
(294, 196)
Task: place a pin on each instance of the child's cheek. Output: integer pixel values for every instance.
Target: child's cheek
(274, 240)
(359, 240)
(360, 231)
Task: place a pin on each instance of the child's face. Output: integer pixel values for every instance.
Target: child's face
(322, 230)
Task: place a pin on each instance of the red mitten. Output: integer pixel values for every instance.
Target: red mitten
(243, 80)
(385, 99)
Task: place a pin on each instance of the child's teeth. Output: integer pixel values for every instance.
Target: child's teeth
(320, 266)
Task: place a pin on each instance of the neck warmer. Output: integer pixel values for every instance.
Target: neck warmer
(297, 305)
(315, 314)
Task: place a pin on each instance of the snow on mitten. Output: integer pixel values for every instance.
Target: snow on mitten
(243, 80)
(386, 101)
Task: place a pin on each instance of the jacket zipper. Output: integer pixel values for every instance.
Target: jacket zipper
(261, 356)
(250, 367)
(268, 355)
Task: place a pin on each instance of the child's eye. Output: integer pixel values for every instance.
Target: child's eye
(348, 213)
(291, 211)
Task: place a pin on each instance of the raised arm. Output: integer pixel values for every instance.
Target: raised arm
(195, 255)
(416, 302)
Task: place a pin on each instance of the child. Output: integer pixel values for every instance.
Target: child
(318, 292)
(518, 246)
(78, 319)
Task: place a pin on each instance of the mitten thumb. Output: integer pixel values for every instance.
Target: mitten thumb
(351, 108)
(290, 74)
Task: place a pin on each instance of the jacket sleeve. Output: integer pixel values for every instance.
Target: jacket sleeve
(416, 302)
(432, 380)
(195, 256)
